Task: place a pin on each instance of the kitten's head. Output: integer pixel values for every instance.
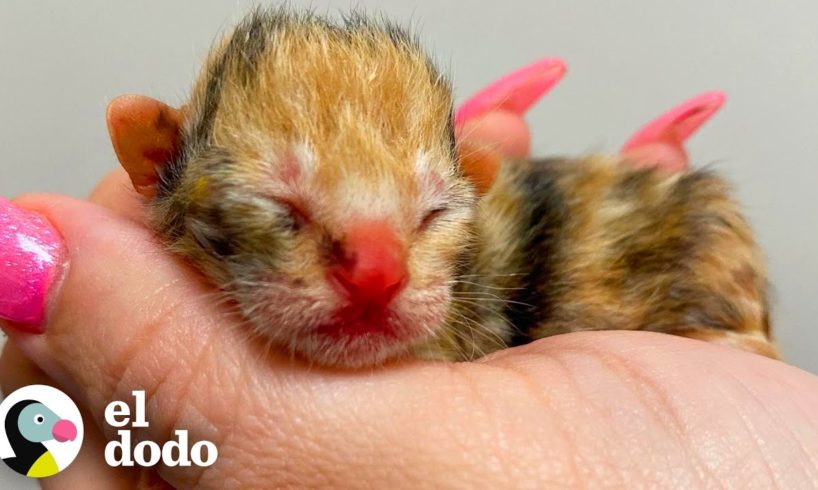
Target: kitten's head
(315, 180)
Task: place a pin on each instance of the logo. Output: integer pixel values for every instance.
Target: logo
(146, 453)
(41, 431)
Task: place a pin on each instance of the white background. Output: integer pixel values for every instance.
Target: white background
(61, 62)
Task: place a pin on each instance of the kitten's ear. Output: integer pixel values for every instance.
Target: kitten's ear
(480, 164)
(146, 135)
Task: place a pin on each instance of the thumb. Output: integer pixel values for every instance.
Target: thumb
(126, 315)
(120, 315)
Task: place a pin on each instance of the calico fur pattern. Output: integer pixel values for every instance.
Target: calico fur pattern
(555, 245)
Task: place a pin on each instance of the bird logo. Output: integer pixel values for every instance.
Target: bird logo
(43, 431)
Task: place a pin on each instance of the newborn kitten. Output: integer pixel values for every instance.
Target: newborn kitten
(314, 177)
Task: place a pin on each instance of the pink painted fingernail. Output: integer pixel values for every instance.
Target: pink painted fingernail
(31, 254)
(515, 92)
(678, 124)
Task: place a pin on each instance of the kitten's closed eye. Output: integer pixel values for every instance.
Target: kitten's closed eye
(431, 217)
(297, 216)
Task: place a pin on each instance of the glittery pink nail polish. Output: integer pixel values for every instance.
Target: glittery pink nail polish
(31, 254)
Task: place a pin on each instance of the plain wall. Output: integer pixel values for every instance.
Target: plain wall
(61, 62)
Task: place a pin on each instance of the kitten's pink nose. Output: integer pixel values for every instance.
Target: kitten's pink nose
(370, 264)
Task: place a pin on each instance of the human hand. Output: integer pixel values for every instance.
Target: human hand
(588, 409)
(492, 121)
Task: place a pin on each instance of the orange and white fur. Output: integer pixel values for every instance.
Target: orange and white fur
(314, 177)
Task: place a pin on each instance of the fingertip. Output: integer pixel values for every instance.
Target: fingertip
(116, 193)
(668, 157)
(660, 143)
(506, 133)
(680, 122)
(32, 257)
(515, 92)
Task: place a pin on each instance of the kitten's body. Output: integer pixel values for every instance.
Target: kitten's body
(594, 244)
(301, 133)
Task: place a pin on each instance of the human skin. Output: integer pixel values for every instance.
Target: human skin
(595, 409)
